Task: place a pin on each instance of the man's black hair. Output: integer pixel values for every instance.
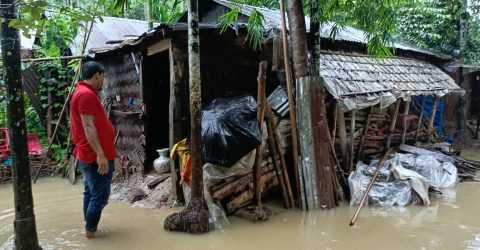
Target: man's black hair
(90, 68)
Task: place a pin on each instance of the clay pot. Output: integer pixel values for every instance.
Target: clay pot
(162, 163)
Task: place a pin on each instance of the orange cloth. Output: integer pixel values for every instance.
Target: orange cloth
(182, 151)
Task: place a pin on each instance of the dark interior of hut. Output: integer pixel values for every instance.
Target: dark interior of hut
(156, 94)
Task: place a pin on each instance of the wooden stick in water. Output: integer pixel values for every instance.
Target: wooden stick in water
(276, 155)
(369, 187)
(261, 103)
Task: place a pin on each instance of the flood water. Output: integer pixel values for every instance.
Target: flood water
(449, 223)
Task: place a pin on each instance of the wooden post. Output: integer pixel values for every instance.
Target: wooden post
(404, 121)
(49, 118)
(333, 128)
(392, 124)
(351, 153)
(261, 103)
(431, 129)
(369, 187)
(359, 154)
(291, 104)
(177, 124)
(342, 135)
(283, 162)
(276, 155)
(420, 119)
(326, 182)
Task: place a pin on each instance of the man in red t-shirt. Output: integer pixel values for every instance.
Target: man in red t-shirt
(93, 136)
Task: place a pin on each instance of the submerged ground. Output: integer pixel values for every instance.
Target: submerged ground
(451, 222)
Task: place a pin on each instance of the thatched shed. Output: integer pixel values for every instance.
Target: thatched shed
(359, 81)
(147, 81)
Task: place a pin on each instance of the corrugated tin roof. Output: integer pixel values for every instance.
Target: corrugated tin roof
(273, 20)
(162, 29)
(360, 81)
(111, 29)
(114, 28)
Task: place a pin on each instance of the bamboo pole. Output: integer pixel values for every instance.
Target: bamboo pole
(431, 129)
(342, 136)
(283, 162)
(261, 103)
(46, 59)
(369, 187)
(404, 121)
(392, 124)
(420, 119)
(351, 152)
(359, 153)
(49, 117)
(291, 103)
(67, 100)
(276, 155)
(333, 129)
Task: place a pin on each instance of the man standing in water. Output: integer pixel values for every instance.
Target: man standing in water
(93, 136)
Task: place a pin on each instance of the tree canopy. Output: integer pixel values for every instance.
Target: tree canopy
(435, 25)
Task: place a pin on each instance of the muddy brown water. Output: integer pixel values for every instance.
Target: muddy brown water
(452, 222)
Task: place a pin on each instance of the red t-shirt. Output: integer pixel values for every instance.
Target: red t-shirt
(85, 101)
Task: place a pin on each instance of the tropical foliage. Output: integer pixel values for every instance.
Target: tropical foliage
(430, 24)
(435, 25)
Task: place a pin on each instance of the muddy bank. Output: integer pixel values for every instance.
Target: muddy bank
(142, 191)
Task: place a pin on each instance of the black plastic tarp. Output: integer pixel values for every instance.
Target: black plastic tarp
(229, 130)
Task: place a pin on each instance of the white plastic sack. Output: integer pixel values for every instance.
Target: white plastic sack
(213, 174)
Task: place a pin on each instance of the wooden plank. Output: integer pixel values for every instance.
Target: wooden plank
(359, 154)
(351, 153)
(307, 164)
(420, 119)
(176, 123)
(431, 129)
(342, 135)
(324, 156)
(155, 182)
(261, 104)
(404, 121)
(158, 47)
(333, 129)
(283, 177)
(392, 124)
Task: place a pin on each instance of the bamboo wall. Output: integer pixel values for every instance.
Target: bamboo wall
(122, 90)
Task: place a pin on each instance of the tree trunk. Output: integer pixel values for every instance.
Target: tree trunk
(149, 13)
(308, 80)
(24, 224)
(461, 118)
(194, 218)
(292, 112)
